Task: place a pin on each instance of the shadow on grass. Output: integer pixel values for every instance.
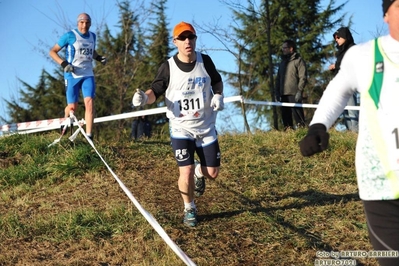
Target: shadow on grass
(312, 197)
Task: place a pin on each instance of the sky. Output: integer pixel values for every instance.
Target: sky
(30, 28)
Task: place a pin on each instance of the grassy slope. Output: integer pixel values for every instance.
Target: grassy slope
(269, 206)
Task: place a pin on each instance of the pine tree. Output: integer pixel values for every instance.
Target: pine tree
(158, 47)
(135, 55)
(45, 101)
(116, 80)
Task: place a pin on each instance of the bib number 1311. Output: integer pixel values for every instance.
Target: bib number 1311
(189, 104)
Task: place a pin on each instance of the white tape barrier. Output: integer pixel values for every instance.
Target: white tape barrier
(304, 105)
(30, 127)
(50, 123)
(153, 222)
(44, 125)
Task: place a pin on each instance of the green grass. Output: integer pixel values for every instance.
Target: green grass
(60, 205)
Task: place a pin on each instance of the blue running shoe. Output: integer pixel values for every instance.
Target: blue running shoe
(190, 217)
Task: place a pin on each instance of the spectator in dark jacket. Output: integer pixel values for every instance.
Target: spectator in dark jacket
(343, 38)
(141, 127)
(290, 83)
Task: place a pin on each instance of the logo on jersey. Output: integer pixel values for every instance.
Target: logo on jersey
(379, 67)
(197, 82)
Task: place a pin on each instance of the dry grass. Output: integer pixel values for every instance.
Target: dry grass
(269, 206)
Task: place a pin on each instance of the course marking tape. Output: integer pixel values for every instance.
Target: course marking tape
(50, 124)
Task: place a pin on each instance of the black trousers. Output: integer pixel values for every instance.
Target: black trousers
(288, 112)
(383, 226)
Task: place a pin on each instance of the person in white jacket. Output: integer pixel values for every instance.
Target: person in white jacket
(372, 69)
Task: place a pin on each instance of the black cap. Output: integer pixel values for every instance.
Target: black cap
(385, 5)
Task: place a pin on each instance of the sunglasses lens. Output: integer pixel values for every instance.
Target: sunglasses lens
(183, 38)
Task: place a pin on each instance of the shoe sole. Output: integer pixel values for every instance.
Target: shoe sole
(193, 224)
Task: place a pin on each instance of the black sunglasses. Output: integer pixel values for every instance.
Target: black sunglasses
(183, 38)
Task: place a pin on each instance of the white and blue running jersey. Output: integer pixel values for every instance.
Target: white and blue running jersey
(79, 52)
(188, 99)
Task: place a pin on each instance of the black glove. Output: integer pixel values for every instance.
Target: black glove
(66, 66)
(103, 60)
(315, 141)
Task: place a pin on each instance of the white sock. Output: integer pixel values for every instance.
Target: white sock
(188, 206)
(198, 171)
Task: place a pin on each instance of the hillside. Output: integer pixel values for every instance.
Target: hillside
(269, 206)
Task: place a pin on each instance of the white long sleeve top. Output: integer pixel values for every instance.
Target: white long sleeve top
(372, 69)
